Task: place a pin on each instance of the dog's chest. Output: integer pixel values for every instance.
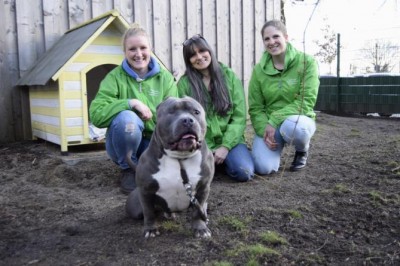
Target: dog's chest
(170, 180)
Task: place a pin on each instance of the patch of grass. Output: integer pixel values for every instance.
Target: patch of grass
(376, 197)
(221, 263)
(273, 238)
(337, 190)
(259, 250)
(341, 188)
(235, 224)
(173, 226)
(394, 167)
(313, 259)
(253, 252)
(236, 251)
(252, 262)
(294, 214)
(355, 133)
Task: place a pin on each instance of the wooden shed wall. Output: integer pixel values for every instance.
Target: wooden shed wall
(30, 27)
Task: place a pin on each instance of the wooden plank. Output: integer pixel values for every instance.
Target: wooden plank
(45, 111)
(248, 42)
(277, 8)
(28, 30)
(43, 94)
(46, 127)
(193, 18)
(125, 8)
(56, 111)
(30, 46)
(79, 11)
(270, 9)
(208, 22)
(101, 6)
(73, 95)
(141, 11)
(9, 97)
(222, 29)
(178, 35)
(54, 138)
(71, 131)
(236, 26)
(55, 21)
(162, 37)
(260, 19)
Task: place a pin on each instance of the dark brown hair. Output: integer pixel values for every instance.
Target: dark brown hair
(220, 99)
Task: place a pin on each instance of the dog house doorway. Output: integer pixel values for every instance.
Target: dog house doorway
(93, 79)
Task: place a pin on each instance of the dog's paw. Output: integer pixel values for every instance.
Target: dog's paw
(202, 233)
(170, 215)
(151, 233)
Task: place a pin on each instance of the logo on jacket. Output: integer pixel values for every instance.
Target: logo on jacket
(153, 92)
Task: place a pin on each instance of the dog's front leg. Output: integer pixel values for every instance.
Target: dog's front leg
(149, 216)
(199, 214)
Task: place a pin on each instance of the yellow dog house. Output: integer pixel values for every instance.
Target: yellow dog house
(66, 78)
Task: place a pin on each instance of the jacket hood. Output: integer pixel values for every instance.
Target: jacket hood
(154, 68)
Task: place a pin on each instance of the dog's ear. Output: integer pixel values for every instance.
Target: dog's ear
(166, 101)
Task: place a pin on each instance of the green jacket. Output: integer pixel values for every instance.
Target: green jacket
(274, 95)
(227, 131)
(118, 86)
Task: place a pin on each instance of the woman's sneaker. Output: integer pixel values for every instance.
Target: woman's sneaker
(299, 162)
(128, 183)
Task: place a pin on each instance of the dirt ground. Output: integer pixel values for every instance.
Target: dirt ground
(343, 209)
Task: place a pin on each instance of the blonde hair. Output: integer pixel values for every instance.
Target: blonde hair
(277, 24)
(134, 30)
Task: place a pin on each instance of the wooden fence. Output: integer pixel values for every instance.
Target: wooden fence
(360, 95)
(30, 27)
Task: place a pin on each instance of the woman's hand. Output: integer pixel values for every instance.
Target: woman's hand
(220, 154)
(269, 137)
(144, 110)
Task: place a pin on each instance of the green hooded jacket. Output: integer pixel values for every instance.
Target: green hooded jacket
(118, 86)
(275, 95)
(227, 131)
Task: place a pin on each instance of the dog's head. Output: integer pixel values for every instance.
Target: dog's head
(181, 124)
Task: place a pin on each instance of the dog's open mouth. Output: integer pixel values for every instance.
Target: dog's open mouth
(187, 142)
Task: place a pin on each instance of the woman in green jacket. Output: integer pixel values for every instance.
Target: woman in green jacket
(221, 94)
(282, 94)
(126, 102)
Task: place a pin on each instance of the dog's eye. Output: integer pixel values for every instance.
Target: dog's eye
(196, 112)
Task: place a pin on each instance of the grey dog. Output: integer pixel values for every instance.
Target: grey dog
(176, 170)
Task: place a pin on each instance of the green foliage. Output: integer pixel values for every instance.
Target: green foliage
(259, 250)
(294, 214)
(341, 188)
(222, 263)
(235, 224)
(173, 226)
(273, 238)
(376, 197)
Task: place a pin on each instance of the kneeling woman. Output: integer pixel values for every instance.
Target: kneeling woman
(221, 93)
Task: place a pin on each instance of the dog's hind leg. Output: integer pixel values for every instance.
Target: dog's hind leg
(133, 207)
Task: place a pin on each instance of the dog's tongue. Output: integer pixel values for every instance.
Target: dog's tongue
(188, 136)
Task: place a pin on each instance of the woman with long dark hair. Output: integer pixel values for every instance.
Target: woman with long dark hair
(217, 88)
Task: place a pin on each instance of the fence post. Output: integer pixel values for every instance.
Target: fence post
(338, 74)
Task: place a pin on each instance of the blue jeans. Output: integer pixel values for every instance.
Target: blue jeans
(296, 130)
(239, 164)
(125, 136)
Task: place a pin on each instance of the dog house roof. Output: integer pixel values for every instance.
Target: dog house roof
(51, 63)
